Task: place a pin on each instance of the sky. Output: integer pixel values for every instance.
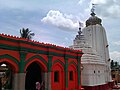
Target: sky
(56, 21)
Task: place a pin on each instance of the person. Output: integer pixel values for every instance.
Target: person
(42, 86)
(115, 82)
(38, 86)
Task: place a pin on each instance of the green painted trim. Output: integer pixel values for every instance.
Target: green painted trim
(20, 41)
(49, 65)
(32, 43)
(33, 50)
(9, 57)
(70, 56)
(66, 72)
(73, 64)
(22, 61)
(79, 72)
(56, 54)
(8, 47)
(36, 56)
(80, 53)
(59, 62)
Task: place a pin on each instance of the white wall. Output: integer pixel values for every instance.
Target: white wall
(93, 74)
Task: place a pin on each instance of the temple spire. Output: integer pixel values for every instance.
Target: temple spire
(80, 25)
(93, 20)
(93, 10)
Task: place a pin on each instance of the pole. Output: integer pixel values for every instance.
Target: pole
(0, 83)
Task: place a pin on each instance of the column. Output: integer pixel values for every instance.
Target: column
(66, 73)
(49, 80)
(49, 71)
(79, 73)
(19, 81)
(46, 80)
(19, 78)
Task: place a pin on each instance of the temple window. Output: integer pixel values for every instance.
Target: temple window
(56, 76)
(71, 75)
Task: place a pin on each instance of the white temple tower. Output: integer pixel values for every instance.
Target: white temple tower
(92, 41)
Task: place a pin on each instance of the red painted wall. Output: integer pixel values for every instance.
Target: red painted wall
(58, 62)
(72, 84)
(60, 85)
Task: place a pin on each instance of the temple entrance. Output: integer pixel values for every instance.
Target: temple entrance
(6, 76)
(33, 75)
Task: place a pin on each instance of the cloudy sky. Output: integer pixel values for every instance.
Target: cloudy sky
(56, 21)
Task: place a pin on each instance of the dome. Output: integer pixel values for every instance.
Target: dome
(93, 20)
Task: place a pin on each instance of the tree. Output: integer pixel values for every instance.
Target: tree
(116, 64)
(26, 33)
(112, 64)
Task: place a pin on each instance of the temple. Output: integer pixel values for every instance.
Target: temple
(28, 62)
(92, 40)
(25, 63)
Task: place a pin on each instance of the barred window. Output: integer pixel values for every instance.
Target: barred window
(56, 76)
(71, 75)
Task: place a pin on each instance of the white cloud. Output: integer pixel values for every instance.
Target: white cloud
(99, 1)
(31, 5)
(107, 8)
(61, 20)
(81, 1)
(115, 55)
(117, 43)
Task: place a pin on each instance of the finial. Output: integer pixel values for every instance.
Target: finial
(93, 10)
(80, 25)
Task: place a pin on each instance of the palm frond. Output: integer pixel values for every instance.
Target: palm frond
(26, 33)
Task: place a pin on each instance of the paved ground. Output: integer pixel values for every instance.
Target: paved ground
(115, 89)
(118, 86)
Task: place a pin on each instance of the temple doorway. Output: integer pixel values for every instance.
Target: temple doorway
(6, 76)
(33, 75)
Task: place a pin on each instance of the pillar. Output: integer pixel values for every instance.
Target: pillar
(66, 73)
(49, 80)
(0, 84)
(49, 72)
(19, 78)
(46, 80)
(79, 73)
(19, 81)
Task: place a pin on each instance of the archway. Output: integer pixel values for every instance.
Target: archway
(33, 74)
(57, 77)
(6, 75)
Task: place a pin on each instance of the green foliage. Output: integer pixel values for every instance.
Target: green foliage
(26, 33)
(115, 65)
(112, 64)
